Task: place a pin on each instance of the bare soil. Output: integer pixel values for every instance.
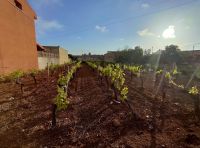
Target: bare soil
(93, 119)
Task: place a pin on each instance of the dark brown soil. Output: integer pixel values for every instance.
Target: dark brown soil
(93, 119)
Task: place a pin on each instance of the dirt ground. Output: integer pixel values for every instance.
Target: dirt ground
(93, 119)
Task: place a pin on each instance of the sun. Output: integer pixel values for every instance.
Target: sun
(169, 33)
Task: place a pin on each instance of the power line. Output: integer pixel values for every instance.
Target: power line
(195, 43)
(146, 14)
(108, 18)
(192, 45)
(132, 17)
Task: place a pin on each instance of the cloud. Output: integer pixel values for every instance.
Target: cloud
(43, 25)
(169, 33)
(101, 28)
(145, 32)
(145, 5)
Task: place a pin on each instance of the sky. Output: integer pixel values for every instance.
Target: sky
(98, 26)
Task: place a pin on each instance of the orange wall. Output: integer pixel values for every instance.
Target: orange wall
(17, 37)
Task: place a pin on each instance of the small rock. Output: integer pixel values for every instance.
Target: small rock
(71, 129)
(100, 145)
(122, 115)
(98, 134)
(177, 104)
(87, 135)
(150, 127)
(74, 140)
(11, 98)
(116, 123)
(116, 101)
(163, 146)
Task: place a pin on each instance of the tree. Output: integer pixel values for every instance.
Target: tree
(130, 56)
(138, 55)
(171, 55)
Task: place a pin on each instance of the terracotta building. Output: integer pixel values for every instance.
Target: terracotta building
(18, 48)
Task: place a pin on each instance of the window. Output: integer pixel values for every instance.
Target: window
(18, 4)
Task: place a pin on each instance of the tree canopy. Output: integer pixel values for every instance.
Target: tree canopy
(130, 56)
(171, 54)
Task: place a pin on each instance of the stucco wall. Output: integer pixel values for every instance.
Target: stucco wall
(17, 37)
(63, 56)
(52, 55)
(43, 61)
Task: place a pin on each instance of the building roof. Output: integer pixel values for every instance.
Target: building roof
(40, 48)
(191, 51)
(52, 49)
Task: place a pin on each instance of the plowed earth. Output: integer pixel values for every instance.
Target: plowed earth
(93, 118)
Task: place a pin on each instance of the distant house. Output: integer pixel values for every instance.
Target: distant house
(51, 55)
(195, 53)
(110, 56)
(191, 56)
(17, 36)
(90, 57)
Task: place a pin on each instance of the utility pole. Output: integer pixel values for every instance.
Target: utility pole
(194, 46)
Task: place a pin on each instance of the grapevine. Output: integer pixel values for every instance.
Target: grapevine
(61, 100)
(115, 77)
(193, 91)
(136, 71)
(33, 74)
(17, 75)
